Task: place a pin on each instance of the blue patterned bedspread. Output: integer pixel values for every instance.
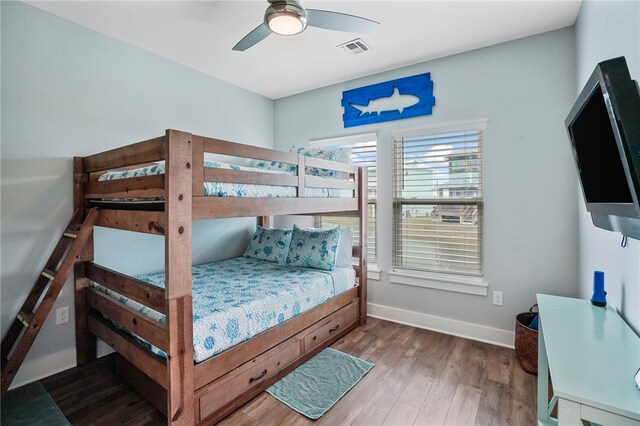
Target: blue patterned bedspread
(236, 299)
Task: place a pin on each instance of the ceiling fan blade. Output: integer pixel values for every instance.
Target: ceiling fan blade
(256, 36)
(340, 21)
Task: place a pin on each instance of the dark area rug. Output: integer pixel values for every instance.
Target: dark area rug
(30, 405)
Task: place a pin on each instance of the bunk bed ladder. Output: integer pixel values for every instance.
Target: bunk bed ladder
(27, 324)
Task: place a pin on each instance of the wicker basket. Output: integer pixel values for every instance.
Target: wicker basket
(527, 342)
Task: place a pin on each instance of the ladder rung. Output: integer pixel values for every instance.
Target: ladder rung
(48, 274)
(25, 318)
(18, 341)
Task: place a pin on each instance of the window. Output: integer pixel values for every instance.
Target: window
(437, 200)
(363, 153)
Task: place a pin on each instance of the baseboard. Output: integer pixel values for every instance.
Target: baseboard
(453, 327)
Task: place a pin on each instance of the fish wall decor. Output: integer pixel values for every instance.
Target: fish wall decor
(391, 100)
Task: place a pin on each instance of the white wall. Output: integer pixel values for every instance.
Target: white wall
(604, 30)
(67, 91)
(525, 89)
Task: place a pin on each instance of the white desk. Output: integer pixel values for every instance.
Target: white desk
(592, 355)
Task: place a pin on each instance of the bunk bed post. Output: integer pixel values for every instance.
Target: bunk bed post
(178, 198)
(85, 340)
(363, 208)
(264, 221)
(197, 144)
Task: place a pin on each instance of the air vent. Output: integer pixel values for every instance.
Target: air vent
(355, 47)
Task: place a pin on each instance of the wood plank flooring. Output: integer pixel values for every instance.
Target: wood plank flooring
(420, 378)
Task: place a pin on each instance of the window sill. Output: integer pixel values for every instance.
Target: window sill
(373, 273)
(458, 284)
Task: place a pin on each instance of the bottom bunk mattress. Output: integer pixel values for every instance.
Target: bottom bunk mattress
(236, 299)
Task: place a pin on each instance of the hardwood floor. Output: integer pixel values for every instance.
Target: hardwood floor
(420, 378)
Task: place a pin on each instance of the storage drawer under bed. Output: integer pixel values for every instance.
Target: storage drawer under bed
(330, 326)
(218, 396)
(223, 391)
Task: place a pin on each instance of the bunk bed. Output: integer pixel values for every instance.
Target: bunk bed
(165, 204)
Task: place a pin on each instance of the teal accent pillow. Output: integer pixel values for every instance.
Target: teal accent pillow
(314, 248)
(269, 244)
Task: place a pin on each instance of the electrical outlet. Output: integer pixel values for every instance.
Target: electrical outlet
(62, 315)
(497, 298)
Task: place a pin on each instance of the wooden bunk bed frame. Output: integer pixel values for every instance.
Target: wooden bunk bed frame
(206, 392)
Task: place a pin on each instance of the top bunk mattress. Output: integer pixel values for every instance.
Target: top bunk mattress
(236, 299)
(225, 189)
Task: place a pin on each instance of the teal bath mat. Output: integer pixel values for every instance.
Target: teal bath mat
(319, 383)
(31, 405)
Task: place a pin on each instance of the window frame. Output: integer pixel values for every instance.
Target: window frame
(446, 280)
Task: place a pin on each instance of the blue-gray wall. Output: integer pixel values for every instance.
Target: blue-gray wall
(525, 89)
(604, 30)
(66, 91)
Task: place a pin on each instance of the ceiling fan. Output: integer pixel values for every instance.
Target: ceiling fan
(288, 17)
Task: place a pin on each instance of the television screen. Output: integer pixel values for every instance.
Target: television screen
(604, 130)
(599, 164)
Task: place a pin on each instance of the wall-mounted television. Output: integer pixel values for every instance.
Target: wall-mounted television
(604, 130)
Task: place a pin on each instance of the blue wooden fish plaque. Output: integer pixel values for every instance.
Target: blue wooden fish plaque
(392, 100)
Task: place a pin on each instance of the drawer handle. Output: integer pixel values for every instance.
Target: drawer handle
(334, 328)
(253, 379)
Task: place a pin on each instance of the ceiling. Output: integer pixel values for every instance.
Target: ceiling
(200, 35)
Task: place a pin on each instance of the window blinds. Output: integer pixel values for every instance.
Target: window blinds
(437, 202)
(363, 154)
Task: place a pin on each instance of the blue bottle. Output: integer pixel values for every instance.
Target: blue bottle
(599, 297)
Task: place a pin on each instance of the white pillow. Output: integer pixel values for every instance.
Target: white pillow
(345, 248)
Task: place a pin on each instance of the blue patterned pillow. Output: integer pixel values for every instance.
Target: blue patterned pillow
(341, 155)
(269, 244)
(314, 248)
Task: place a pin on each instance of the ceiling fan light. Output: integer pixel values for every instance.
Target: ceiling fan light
(285, 23)
(285, 18)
